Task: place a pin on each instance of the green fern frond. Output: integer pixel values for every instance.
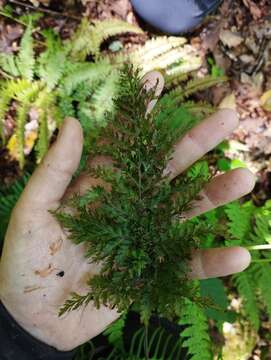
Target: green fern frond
(115, 332)
(5, 98)
(197, 84)
(247, 290)
(196, 334)
(173, 80)
(103, 30)
(239, 222)
(85, 72)
(160, 46)
(10, 90)
(201, 108)
(89, 37)
(262, 274)
(8, 198)
(52, 62)
(167, 54)
(26, 57)
(262, 226)
(102, 99)
(44, 104)
(75, 302)
(8, 64)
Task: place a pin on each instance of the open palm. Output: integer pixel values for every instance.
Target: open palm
(40, 266)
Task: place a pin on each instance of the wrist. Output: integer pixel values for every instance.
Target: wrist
(17, 343)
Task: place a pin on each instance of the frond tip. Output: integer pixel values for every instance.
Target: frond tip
(74, 303)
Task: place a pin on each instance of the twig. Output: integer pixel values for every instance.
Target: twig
(48, 11)
(22, 23)
(12, 18)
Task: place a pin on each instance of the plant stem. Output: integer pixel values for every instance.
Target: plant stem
(261, 261)
(8, 16)
(146, 342)
(259, 247)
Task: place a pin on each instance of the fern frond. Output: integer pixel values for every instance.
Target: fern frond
(75, 302)
(52, 62)
(102, 99)
(247, 290)
(196, 335)
(115, 332)
(167, 54)
(89, 37)
(240, 222)
(105, 29)
(173, 80)
(85, 72)
(44, 105)
(262, 226)
(197, 84)
(5, 98)
(26, 59)
(201, 108)
(159, 46)
(8, 199)
(262, 275)
(9, 91)
(8, 64)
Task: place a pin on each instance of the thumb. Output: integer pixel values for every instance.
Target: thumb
(49, 182)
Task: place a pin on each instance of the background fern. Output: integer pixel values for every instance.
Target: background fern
(196, 335)
(9, 196)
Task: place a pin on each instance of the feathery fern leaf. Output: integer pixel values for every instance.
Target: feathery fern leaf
(45, 107)
(262, 226)
(196, 336)
(115, 332)
(247, 290)
(239, 224)
(5, 98)
(8, 198)
(52, 62)
(196, 84)
(92, 73)
(102, 99)
(8, 64)
(167, 54)
(262, 274)
(26, 58)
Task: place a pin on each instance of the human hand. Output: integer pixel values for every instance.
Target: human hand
(40, 266)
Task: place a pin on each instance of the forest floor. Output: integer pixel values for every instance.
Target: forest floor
(237, 39)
